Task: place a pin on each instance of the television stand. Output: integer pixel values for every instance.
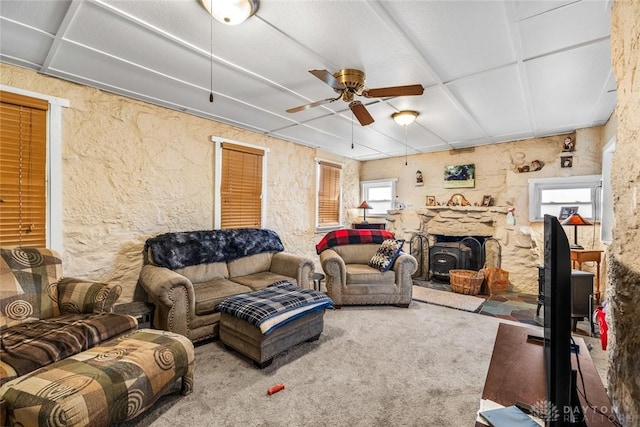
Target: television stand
(537, 339)
(517, 374)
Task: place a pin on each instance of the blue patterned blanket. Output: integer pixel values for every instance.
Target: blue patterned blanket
(182, 249)
(275, 305)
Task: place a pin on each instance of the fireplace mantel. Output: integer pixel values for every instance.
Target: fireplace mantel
(470, 209)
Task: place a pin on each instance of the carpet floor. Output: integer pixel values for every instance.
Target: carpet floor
(372, 366)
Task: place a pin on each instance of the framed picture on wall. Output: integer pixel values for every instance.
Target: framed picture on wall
(460, 176)
(486, 201)
(566, 211)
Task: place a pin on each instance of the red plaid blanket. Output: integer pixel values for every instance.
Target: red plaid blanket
(348, 236)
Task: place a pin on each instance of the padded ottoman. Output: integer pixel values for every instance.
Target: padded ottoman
(247, 339)
(111, 383)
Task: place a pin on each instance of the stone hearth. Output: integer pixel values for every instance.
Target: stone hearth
(518, 249)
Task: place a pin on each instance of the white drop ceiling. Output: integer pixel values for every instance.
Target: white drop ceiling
(493, 71)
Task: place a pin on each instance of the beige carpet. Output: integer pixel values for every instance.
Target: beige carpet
(373, 366)
(447, 299)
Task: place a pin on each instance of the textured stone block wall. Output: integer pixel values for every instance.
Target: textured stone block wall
(624, 254)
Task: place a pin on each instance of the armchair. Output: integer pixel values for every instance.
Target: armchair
(345, 256)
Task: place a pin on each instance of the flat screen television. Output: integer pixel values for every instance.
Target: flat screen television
(562, 400)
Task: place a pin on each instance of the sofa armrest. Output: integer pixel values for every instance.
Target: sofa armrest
(291, 265)
(173, 296)
(404, 266)
(336, 271)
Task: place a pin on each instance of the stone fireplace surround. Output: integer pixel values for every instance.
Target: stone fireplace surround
(518, 246)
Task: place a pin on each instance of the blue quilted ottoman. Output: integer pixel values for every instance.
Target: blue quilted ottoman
(261, 324)
(111, 383)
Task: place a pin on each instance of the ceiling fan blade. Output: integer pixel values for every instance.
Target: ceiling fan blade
(361, 113)
(313, 104)
(383, 92)
(328, 78)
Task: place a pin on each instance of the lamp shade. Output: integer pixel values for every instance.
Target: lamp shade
(575, 219)
(364, 206)
(405, 117)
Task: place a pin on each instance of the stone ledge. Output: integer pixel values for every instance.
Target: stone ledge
(497, 209)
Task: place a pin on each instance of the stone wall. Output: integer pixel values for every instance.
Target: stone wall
(624, 254)
(497, 176)
(132, 170)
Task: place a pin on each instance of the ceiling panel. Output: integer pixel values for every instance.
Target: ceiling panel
(17, 41)
(496, 100)
(551, 32)
(492, 70)
(44, 15)
(442, 115)
(565, 87)
(458, 38)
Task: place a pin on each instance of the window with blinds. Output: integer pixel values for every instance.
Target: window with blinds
(23, 164)
(328, 194)
(241, 186)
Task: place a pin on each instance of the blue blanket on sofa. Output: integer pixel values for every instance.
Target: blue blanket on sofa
(182, 249)
(275, 305)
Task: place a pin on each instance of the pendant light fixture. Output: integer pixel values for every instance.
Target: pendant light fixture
(405, 118)
(231, 12)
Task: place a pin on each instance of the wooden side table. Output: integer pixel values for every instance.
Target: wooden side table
(578, 256)
(143, 311)
(369, 226)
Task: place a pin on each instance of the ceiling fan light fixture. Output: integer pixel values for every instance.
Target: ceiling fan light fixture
(231, 12)
(405, 117)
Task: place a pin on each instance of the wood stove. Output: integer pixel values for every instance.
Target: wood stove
(445, 256)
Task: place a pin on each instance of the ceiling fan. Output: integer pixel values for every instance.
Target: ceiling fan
(350, 82)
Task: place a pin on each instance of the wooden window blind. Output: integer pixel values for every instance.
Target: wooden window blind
(329, 195)
(241, 186)
(23, 167)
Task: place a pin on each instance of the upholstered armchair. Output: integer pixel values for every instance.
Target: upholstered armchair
(347, 257)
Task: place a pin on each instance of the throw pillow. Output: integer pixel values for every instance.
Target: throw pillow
(28, 290)
(82, 297)
(386, 254)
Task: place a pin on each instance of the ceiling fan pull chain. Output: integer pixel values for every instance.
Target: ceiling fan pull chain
(352, 129)
(406, 150)
(211, 59)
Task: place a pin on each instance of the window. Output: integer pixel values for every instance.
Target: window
(329, 195)
(549, 195)
(241, 186)
(380, 194)
(23, 167)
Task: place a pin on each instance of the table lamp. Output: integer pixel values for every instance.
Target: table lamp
(364, 206)
(575, 219)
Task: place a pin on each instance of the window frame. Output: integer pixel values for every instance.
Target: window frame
(365, 186)
(537, 185)
(54, 163)
(217, 186)
(325, 228)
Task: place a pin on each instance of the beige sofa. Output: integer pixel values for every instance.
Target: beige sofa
(187, 274)
(351, 281)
